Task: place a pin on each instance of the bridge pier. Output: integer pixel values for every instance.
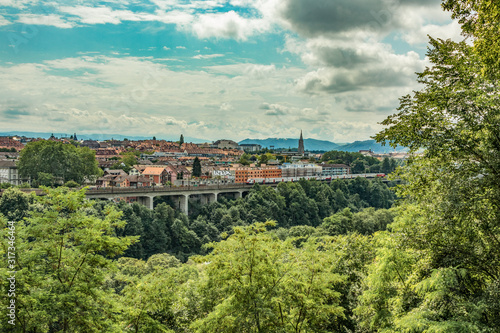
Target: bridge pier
(182, 202)
(211, 197)
(146, 201)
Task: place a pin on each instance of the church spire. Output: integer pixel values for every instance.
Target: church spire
(301, 144)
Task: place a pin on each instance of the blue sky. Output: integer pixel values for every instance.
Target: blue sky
(212, 69)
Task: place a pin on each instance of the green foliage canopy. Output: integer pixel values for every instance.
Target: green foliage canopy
(62, 161)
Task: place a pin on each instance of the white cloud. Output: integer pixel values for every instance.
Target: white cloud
(166, 48)
(227, 25)
(103, 15)
(180, 47)
(208, 56)
(4, 21)
(52, 20)
(19, 4)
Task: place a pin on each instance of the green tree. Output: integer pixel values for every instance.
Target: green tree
(358, 166)
(386, 166)
(14, 204)
(440, 268)
(62, 161)
(196, 167)
(261, 284)
(62, 256)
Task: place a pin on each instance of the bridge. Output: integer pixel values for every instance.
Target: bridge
(180, 195)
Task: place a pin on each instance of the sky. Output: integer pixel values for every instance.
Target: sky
(213, 69)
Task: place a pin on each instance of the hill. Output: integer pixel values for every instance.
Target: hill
(280, 143)
(322, 145)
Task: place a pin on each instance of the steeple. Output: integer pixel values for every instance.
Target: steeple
(301, 144)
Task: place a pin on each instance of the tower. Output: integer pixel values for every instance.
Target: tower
(301, 144)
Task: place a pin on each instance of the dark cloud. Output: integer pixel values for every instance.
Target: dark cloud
(275, 113)
(14, 113)
(342, 57)
(323, 17)
(332, 81)
(319, 17)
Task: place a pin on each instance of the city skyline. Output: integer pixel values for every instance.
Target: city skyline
(213, 69)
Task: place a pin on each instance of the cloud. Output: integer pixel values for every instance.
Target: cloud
(227, 25)
(51, 19)
(345, 66)
(166, 48)
(334, 18)
(15, 112)
(180, 47)
(274, 109)
(4, 21)
(207, 56)
(226, 107)
(103, 15)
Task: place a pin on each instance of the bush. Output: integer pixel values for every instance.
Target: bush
(71, 184)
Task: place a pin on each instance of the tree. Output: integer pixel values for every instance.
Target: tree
(62, 256)
(196, 167)
(244, 159)
(261, 284)
(61, 161)
(358, 166)
(14, 204)
(440, 268)
(386, 166)
(480, 21)
(181, 140)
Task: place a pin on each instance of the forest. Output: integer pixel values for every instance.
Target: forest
(350, 256)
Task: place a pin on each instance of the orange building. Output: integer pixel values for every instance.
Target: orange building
(241, 175)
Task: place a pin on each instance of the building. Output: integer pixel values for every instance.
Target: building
(368, 152)
(301, 144)
(335, 169)
(90, 144)
(156, 175)
(9, 143)
(242, 174)
(225, 144)
(300, 170)
(250, 147)
(9, 173)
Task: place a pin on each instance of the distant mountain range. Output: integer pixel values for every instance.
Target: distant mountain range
(278, 143)
(100, 137)
(322, 145)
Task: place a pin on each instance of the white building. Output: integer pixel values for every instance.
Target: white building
(335, 169)
(9, 173)
(300, 170)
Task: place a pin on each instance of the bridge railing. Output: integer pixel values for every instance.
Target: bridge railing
(144, 189)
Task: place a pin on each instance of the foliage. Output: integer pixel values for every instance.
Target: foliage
(266, 285)
(71, 184)
(360, 163)
(62, 256)
(438, 271)
(14, 204)
(61, 161)
(196, 167)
